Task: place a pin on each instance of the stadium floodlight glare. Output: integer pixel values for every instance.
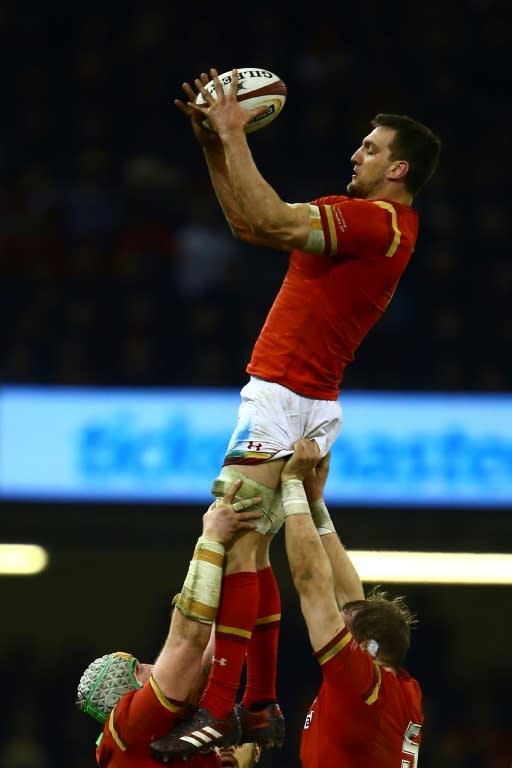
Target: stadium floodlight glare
(433, 567)
(22, 559)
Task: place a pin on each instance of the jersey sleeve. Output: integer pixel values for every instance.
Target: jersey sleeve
(142, 716)
(345, 664)
(355, 228)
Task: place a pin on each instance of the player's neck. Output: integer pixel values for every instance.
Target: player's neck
(393, 193)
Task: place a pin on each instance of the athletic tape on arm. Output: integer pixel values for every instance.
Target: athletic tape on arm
(294, 498)
(321, 517)
(200, 594)
(316, 239)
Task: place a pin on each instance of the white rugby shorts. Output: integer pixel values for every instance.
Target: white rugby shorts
(271, 418)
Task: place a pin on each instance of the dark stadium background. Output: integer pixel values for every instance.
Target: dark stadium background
(103, 196)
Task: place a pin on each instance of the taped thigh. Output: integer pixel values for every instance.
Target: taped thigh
(247, 490)
(276, 513)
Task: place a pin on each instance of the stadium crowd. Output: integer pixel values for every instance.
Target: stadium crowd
(117, 266)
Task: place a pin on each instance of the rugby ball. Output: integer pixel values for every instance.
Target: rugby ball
(256, 86)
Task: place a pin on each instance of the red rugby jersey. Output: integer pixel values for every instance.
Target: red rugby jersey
(328, 303)
(138, 718)
(363, 715)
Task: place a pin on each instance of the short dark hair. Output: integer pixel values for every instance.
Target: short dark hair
(416, 144)
(386, 620)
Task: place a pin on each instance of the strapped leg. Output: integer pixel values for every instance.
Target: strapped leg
(248, 489)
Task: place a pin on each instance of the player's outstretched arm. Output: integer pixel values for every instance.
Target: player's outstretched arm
(215, 158)
(272, 221)
(216, 163)
(309, 564)
(179, 662)
(347, 583)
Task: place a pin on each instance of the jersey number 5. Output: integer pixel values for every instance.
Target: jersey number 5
(411, 747)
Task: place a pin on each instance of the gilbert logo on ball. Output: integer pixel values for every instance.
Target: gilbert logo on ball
(256, 86)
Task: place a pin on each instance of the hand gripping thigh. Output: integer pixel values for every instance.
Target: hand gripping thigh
(247, 490)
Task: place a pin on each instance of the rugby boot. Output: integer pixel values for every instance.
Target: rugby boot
(199, 733)
(265, 726)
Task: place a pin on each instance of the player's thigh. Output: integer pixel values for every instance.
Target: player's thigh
(248, 551)
(241, 552)
(267, 473)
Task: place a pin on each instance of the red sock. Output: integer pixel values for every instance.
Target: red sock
(262, 652)
(233, 628)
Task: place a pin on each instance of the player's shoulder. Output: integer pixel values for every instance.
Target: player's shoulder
(404, 678)
(331, 200)
(400, 208)
(361, 204)
(409, 690)
(407, 687)
(344, 649)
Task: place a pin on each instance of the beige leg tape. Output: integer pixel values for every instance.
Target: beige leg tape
(277, 512)
(247, 490)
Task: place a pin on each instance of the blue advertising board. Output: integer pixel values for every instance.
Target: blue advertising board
(167, 446)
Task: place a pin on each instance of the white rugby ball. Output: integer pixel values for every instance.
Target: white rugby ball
(256, 86)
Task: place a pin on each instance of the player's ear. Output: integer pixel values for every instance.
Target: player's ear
(398, 170)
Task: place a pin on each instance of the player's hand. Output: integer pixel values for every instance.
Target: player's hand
(223, 110)
(208, 139)
(304, 458)
(316, 478)
(223, 519)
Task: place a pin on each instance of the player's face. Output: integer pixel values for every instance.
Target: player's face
(244, 756)
(371, 163)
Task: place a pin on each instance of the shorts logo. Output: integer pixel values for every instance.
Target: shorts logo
(254, 446)
(308, 720)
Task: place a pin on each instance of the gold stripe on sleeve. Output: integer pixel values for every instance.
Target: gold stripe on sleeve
(164, 701)
(374, 694)
(394, 223)
(114, 733)
(332, 228)
(334, 649)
